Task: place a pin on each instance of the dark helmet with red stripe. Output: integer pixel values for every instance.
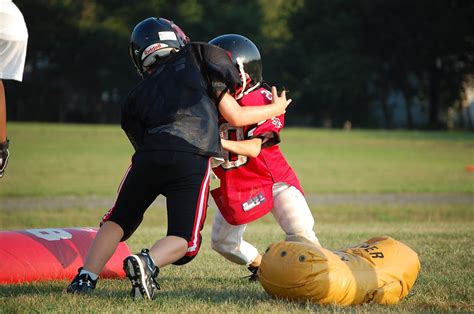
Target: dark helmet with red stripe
(244, 54)
(152, 39)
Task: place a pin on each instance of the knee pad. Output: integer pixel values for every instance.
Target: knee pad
(381, 270)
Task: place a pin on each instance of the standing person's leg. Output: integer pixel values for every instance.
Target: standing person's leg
(13, 44)
(3, 114)
(3, 131)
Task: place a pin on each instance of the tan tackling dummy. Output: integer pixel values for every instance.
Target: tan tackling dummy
(381, 270)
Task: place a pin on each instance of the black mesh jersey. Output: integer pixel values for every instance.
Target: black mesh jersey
(175, 108)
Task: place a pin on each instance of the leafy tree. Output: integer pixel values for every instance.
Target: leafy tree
(339, 59)
(356, 53)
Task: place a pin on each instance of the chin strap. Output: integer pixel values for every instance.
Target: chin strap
(241, 92)
(252, 88)
(243, 75)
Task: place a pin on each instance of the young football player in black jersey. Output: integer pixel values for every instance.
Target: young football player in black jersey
(171, 119)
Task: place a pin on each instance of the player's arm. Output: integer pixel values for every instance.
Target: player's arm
(224, 78)
(241, 116)
(249, 148)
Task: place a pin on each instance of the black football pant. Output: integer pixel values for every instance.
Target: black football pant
(182, 177)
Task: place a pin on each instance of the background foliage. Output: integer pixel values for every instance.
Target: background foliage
(341, 60)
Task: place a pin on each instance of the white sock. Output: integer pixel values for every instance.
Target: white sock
(91, 274)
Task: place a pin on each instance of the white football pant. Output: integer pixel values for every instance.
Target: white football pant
(290, 210)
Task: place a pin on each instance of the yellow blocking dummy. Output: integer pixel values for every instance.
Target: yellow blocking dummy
(381, 270)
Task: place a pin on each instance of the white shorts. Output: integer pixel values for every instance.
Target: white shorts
(13, 41)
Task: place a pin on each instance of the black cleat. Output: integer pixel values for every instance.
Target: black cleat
(142, 273)
(81, 284)
(254, 276)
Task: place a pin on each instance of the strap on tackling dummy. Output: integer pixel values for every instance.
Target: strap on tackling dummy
(381, 270)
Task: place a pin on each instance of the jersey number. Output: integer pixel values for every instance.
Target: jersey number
(232, 133)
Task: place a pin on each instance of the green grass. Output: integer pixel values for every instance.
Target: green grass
(82, 160)
(55, 159)
(442, 236)
(381, 161)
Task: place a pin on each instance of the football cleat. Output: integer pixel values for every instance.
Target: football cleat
(253, 276)
(81, 284)
(142, 273)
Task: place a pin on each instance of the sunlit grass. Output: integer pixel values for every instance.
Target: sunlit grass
(56, 159)
(83, 160)
(442, 236)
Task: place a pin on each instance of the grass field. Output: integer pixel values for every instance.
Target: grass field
(49, 160)
(59, 160)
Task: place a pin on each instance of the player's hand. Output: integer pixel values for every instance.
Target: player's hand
(280, 101)
(4, 153)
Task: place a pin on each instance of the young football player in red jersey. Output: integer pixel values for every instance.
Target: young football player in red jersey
(171, 119)
(255, 178)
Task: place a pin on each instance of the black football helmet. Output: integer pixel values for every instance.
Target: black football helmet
(154, 38)
(244, 54)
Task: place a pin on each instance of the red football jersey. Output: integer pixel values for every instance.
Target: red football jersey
(245, 192)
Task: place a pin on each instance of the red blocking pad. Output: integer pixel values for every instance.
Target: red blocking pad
(51, 254)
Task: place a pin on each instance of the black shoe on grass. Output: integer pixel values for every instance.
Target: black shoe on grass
(142, 273)
(81, 284)
(253, 277)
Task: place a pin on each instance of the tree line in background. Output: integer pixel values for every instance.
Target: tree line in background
(364, 63)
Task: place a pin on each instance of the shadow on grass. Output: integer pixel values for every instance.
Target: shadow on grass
(224, 291)
(175, 291)
(58, 288)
